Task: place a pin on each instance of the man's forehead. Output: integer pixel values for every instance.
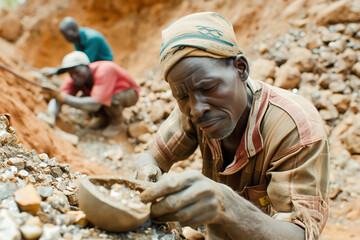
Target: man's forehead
(190, 69)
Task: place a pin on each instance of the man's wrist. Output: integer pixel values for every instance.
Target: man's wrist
(61, 97)
(225, 208)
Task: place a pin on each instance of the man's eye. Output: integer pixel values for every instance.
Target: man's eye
(209, 87)
(182, 98)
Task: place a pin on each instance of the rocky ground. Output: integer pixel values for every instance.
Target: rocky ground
(316, 57)
(39, 198)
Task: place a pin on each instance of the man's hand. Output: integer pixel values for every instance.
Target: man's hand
(148, 172)
(146, 168)
(188, 197)
(53, 93)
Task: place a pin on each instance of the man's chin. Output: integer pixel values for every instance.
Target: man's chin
(220, 134)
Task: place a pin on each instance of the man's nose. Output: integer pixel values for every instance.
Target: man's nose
(198, 106)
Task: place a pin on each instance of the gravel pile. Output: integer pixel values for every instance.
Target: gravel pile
(38, 198)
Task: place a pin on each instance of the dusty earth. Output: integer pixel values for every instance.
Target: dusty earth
(311, 47)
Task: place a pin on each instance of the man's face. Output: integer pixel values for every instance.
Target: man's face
(80, 75)
(210, 93)
(71, 33)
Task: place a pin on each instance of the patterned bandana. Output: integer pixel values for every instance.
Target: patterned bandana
(205, 34)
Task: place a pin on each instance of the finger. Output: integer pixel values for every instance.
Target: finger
(179, 200)
(154, 175)
(169, 184)
(199, 213)
(205, 218)
(148, 173)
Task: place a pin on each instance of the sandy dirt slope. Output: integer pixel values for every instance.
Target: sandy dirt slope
(133, 28)
(23, 101)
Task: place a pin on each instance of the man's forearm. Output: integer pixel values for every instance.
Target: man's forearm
(53, 108)
(144, 159)
(243, 220)
(84, 103)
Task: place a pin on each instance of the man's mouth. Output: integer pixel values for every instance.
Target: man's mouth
(207, 124)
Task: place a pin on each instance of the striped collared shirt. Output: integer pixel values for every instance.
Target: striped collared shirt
(281, 164)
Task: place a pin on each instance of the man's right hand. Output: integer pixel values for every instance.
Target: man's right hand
(189, 198)
(52, 92)
(148, 172)
(145, 168)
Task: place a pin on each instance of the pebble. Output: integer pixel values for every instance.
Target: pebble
(44, 191)
(31, 232)
(28, 199)
(8, 226)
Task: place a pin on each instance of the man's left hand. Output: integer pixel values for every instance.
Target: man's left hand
(53, 93)
(188, 197)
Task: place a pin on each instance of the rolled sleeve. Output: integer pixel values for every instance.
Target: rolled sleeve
(172, 142)
(298, 189)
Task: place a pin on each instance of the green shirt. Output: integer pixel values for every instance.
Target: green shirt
(94, 45)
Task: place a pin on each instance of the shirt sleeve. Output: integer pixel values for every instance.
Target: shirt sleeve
(298, 189)
(174, 141)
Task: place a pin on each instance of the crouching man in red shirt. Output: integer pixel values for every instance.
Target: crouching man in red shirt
(106, 90)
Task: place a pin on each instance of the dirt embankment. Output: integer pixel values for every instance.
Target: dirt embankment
(133, 28)
(22, 100)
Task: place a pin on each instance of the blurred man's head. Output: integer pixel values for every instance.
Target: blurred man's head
(69, 29)
(81, 75)
(77, 65)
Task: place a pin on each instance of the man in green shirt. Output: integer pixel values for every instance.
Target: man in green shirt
(87, 40)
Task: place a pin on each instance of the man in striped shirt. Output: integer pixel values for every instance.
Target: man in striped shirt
(265, 152)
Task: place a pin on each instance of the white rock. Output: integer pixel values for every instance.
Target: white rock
(30, 232)
(50, 232)
(8, 226)
(23, 173)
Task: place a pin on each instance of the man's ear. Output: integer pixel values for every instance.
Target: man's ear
(242, 65)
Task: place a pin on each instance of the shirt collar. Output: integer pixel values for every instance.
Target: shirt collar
(252, 141)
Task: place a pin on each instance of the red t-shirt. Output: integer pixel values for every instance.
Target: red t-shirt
(108, 78)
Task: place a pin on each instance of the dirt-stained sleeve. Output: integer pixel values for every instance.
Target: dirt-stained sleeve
(174, 141)
(298, 189)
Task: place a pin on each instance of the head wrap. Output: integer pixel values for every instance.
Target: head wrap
(205, 34)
